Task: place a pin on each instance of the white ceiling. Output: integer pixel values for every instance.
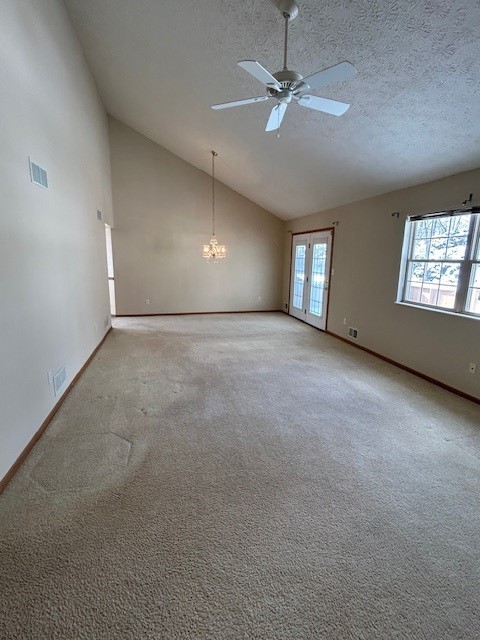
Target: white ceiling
(415, 113)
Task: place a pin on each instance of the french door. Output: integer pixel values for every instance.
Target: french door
(310, 277)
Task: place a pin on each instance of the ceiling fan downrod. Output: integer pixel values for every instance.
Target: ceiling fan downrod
(289, 11)
(285, 68)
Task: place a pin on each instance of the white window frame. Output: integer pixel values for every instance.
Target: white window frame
(472, 257)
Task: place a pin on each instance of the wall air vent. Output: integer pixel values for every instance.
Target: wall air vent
(352, 333)
(59, 380)
(38, 175)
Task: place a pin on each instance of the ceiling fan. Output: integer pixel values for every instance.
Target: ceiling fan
(285, 86)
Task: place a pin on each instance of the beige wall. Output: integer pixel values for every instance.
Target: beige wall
(366, 261)
(52, 254)
(162, 210)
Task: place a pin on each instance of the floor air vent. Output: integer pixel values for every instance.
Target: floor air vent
(352, 333)
(59, 380)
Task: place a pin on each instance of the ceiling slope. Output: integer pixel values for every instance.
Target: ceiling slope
(415, 114)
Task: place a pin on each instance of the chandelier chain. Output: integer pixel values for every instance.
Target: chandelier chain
(214, 153)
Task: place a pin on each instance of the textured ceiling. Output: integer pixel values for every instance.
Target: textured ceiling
(415, 113)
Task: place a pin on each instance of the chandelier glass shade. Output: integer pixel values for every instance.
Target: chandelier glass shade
(213, 251)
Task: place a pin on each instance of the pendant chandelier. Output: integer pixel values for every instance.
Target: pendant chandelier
(213, 251)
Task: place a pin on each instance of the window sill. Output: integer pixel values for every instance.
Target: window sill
(442, 311)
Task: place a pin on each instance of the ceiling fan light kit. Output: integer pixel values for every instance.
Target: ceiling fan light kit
(286, 86)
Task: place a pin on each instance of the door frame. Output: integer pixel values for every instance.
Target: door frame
(110, 278)
(300, 233)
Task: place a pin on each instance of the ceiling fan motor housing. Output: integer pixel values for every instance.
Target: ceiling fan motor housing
(287, 78)
(290, 82)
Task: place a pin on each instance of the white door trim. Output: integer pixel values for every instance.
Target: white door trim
(306, 283)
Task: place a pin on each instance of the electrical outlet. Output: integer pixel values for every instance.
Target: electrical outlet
(472, 367)
(96, 327)
(286, 305)
(50, 377)
(353, 333)
(147, 301)
(345, 321)
(259, 299)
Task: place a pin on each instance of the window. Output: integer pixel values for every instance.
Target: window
(441, 265)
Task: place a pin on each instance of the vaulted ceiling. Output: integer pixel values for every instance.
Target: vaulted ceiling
(415, 114)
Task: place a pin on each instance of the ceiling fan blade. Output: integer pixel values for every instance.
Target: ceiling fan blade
(276, 116)
(257, 71)
(337, 73)
(323, 104)
(239, 103)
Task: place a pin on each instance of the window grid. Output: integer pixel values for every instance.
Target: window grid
(318, 278)
(298, 281)
(442, 268)
(473, 291)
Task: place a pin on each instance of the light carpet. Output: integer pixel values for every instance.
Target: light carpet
(245, 477)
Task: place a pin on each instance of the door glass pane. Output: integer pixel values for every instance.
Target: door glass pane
(299, 276)
(319, 257)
